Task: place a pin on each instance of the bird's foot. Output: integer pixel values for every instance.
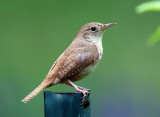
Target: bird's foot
(84, 91)
(82, 88)
(79, 89)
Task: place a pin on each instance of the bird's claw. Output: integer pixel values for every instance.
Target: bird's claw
(85, 93)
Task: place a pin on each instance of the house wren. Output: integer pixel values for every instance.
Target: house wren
(77, 61)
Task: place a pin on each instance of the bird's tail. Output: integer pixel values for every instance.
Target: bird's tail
(35, 92)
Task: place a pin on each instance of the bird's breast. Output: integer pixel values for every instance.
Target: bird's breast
(97, 58)
(88, 69)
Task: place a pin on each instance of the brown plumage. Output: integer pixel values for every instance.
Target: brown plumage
(77, 61)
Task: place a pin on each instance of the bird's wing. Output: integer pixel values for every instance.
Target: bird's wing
(70, 65)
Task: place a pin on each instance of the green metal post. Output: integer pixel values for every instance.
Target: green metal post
(66, 105)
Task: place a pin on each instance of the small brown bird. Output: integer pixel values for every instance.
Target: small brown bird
(77, 61)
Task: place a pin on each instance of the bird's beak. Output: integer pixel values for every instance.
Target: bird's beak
(108, 25)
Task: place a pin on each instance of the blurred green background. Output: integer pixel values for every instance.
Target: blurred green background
(33, 33)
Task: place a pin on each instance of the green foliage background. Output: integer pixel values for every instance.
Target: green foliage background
(33, 33)
(150, 6)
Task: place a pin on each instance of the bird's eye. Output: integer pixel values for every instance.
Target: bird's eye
(93, 28)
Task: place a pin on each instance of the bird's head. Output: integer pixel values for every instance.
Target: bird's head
(94, 30)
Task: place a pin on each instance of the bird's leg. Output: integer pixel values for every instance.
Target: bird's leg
(82, 90)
